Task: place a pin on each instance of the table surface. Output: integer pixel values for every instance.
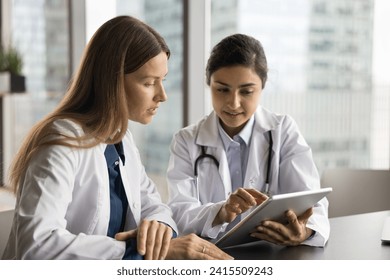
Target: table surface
(355, 237)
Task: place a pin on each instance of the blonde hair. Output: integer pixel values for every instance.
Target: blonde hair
(96, 98)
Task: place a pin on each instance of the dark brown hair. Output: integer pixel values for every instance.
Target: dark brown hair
(238, 49)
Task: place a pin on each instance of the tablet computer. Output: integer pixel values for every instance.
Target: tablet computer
(273, 208)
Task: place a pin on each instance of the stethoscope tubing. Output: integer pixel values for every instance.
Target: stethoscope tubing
(202, 156)
(216, 162)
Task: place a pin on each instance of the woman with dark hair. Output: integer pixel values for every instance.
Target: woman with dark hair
(226, 163)
(82, 191)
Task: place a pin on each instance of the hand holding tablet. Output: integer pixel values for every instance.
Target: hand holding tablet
(273, 209)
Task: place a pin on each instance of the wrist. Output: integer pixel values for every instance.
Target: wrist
(218, 218)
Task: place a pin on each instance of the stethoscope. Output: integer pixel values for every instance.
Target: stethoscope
(204, 155)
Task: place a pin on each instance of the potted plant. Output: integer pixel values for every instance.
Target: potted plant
(11, 78)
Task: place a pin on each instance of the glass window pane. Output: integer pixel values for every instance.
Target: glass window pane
(40, 34)
(153, 140)
(326, 63)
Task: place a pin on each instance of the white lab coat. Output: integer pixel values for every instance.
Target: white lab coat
(292, 169)
(63, 210)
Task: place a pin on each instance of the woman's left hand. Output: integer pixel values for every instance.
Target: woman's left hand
(292, 234)
(153, 239)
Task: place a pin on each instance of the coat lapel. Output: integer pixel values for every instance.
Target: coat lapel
(132, 187)
(208, 136)
(258, 155)
(255, 175)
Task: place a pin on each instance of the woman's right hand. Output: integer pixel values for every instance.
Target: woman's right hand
(192, 247)
(238, 202)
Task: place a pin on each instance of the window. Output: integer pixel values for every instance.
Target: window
(327, 64)
(327, 69)
(39, 31)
